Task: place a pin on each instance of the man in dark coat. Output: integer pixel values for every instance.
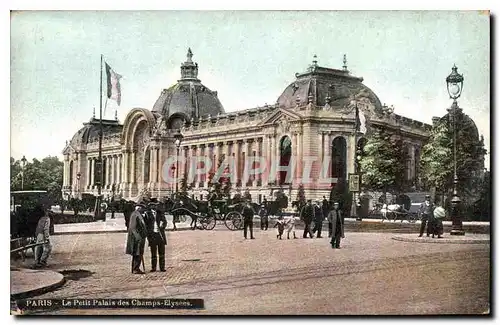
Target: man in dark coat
(128, 208)
(336, 206)
(336, 219)
(307, 215)
(248, 213)
(325, 207)
(318, 219)
(156, 224)
(136, 238)
(426, 211)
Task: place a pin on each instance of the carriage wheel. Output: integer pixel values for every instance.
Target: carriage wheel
(208, 223)
(238, 221)
(229, 220)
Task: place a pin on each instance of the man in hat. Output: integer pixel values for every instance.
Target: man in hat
(318, 219)
(426, 211)
(156, 224)
(307, 215)
(136, 238)
(337, 221)
(248, 213)
(42, 234)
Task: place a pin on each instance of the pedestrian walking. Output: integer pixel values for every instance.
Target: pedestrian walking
(337, 221)
(136, 238)
(325, 207)
(248, 214)
(336, 207)
(426, 212)
(307, 215)
(42, 233)
(439, 214)
(318, 220)
(280, 225)
(156, 224)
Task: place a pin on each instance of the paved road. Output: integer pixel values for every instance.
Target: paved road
(371, 274)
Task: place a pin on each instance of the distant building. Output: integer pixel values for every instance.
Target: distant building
(313, 117)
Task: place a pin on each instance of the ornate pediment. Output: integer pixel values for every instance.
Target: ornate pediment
(281, 114)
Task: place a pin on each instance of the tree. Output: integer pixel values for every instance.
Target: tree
(340, 193)
(437, 160)
(383, 163)
(46, 174)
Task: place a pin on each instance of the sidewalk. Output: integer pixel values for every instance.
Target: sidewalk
(109, 226)
(447, 239)
(26, 283)
(366, 225)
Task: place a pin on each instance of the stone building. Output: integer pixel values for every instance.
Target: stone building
(313, 117)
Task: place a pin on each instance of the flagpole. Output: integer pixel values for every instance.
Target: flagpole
(101, 171)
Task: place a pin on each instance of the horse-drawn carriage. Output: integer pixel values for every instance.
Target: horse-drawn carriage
(401, 209)
(206, 213)
(23, 219)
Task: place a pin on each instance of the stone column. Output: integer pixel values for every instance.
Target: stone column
(193, 165)
(294, 157)
(133, 174)
(245, 177)
(327, 154)
(237, 159)
(300, 154)
(92, 173)
(268, 159)
(259, 154)
(66, 171)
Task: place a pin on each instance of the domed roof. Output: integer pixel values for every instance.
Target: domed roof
(189, 96)
(90, 131)
(320, 85)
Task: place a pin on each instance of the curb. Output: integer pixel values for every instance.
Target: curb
(93, 232)
(441, 240)
(39, 291)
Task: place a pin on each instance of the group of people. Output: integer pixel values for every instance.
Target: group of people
(147, 222)
(310, 213)
(431, 216)
(316, 212)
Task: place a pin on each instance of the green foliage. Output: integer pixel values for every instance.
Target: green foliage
(46, 174)
(436, 162)
(340, 193)
(437, 165)
(383, 163)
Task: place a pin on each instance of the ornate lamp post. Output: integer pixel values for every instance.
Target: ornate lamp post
(356, 178)
(454, 83)
(23, 165)
(178, 140)
(78, 175)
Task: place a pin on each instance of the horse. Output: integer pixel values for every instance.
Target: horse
(393, 209)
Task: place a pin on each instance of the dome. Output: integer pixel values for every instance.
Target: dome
(90, 131)
(466, 124)
(320, 85)
(189, 96)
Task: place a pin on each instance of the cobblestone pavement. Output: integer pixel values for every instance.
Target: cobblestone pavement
(370, 274)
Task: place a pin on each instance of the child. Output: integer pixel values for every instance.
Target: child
(281, 227)
(290, 227)
(264, 219)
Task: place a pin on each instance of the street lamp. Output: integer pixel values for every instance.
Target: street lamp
(178, 140)
(357, 158)
(454, 83)
(78, 175)
(23, 164)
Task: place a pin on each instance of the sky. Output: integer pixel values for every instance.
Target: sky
(248, 57)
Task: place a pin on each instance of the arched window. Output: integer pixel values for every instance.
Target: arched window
(285, 157)
(339, 158)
